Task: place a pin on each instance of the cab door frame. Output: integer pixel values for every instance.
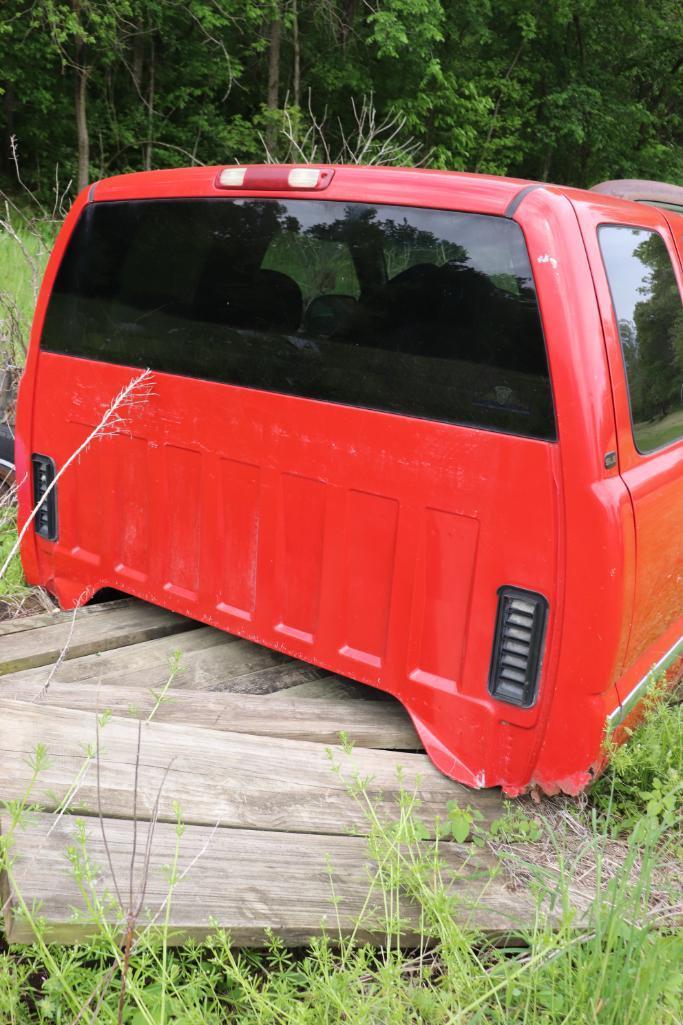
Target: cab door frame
(654, 479)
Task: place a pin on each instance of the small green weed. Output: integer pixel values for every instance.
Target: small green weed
(645, 775)
(12, 583)
(515, 826)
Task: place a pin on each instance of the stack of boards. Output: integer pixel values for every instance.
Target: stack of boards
(139, 719)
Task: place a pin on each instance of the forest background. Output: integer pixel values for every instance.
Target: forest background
(573, 91)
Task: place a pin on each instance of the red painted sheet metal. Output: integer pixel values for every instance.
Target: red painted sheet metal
(445, 190)
(654, 480)
(370, 543)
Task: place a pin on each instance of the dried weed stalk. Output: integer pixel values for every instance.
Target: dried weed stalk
(136, 392)
(371, 139)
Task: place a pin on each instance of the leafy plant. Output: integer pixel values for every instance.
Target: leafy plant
(515, 826)
(644, 776)
(12, 583)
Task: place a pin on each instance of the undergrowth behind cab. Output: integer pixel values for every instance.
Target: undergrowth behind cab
(17, 598)
(27, 231)
(12, 583)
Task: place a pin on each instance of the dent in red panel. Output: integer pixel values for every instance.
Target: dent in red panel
(130, 457)
(182, 469)
(302, 525)
(442, 597)
(238, 541)
(370, 547)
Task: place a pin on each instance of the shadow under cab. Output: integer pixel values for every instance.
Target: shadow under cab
(423, 429)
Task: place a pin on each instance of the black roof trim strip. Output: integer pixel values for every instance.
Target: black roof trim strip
(516, 200)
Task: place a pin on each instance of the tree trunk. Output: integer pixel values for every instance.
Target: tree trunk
(82, 119)
(8, 106)
(138, 57)
(349, 14)
(273, 94)
(147, 159)
(296, 43)
(7, 390)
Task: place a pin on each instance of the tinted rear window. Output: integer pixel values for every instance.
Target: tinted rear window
(426, 313)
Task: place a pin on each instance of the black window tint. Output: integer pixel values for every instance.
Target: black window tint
(649, 313)
(421, 312)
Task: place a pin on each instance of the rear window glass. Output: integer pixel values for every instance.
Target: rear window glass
(649, 313)
(425, 313)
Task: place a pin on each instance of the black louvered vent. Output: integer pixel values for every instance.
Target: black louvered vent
(46, 517)
(518, 646)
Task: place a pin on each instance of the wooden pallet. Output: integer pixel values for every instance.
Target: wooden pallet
(244, 745)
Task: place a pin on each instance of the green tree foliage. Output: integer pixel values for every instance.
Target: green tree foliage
(565, 90)
(659, 324)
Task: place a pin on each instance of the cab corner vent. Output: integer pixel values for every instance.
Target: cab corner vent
(518, 646)
(46, 516)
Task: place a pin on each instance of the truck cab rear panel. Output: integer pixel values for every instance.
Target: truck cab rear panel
(375, 542)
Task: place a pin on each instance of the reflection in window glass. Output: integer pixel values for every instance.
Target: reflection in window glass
(425, 313)
(649, 313)
(320, 267)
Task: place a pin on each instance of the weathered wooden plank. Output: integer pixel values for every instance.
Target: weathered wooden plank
(53, 618)
(327, 687)
(210, 660)
(299, 886)
(205, 663)
(89, 633)
(146, 662)
(272, 680)
(377, 724)
(237, 779)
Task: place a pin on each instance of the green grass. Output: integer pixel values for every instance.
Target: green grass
(15, 271)
(655, 435)
(23, 254)
(645, 775)
(12, 584)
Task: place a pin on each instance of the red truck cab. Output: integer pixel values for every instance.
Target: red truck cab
(423, 429)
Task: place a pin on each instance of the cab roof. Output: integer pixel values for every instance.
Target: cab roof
(456, 190)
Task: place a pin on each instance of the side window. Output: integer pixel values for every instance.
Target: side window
(649, 313)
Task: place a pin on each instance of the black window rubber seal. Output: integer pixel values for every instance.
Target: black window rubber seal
(511, 208)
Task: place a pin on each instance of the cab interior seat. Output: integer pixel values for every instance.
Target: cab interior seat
(493, 325)
(393, 315)
(262, 300)
(448, 311)
(406, 314)
(328, 315)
